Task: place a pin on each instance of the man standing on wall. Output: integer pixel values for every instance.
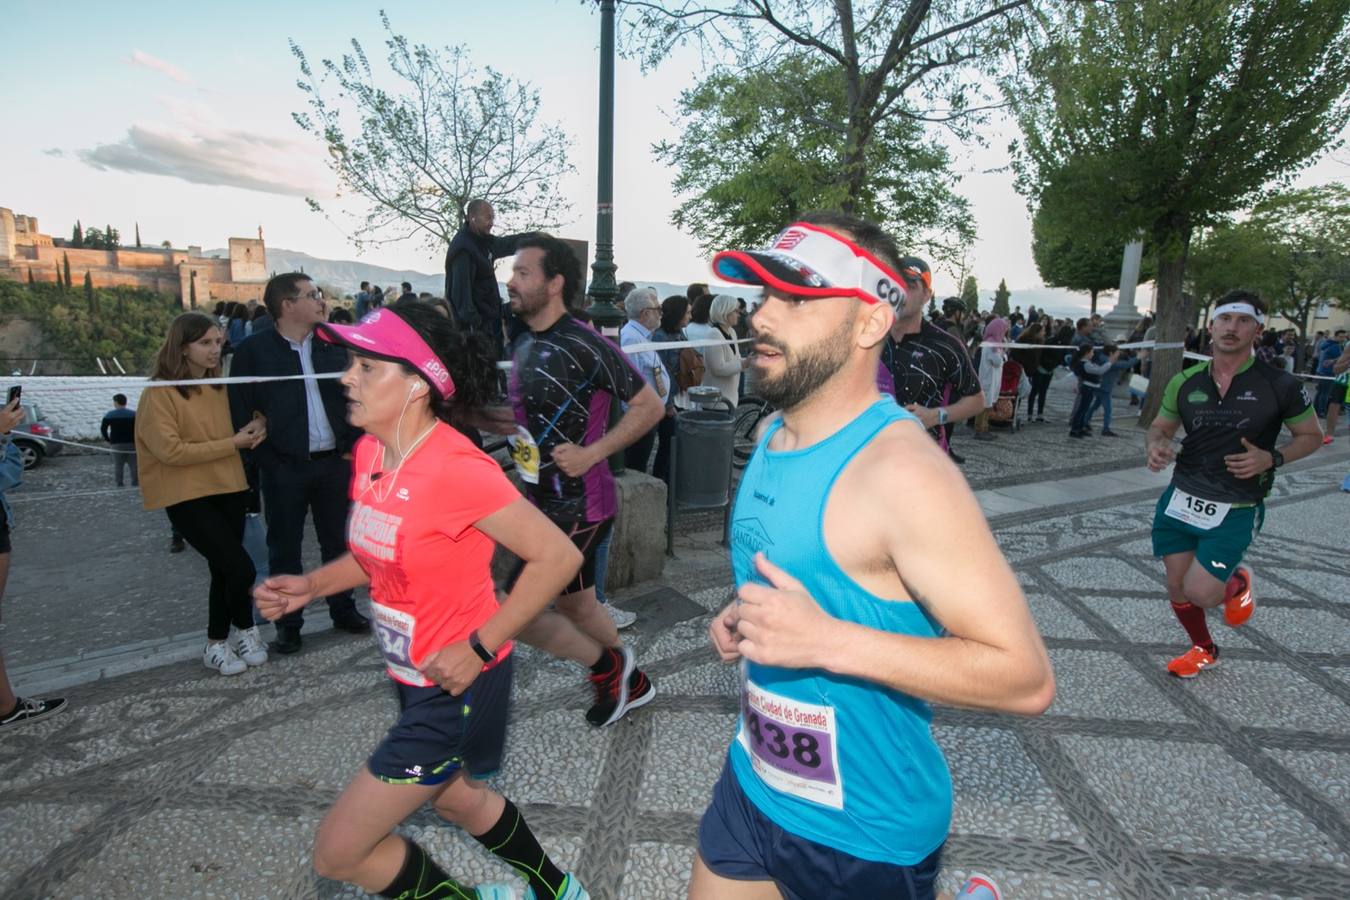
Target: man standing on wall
(304, 466)
(470, 275)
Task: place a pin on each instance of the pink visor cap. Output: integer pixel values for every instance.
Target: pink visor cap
(808, 261)
(384, 335)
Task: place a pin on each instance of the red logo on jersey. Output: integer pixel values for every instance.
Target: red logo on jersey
(790, 238)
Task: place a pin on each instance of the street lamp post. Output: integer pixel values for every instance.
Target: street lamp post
(603, 290)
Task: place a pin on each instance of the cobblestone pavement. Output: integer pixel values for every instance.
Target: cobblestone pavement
(174, 782)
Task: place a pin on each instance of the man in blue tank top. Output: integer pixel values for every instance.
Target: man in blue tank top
(849, 618)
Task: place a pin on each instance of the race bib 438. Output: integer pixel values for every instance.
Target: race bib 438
(793, 746)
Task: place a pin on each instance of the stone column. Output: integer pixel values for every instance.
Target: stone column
(1121, 320)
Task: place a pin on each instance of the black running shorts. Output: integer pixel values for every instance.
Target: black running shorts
(438, 734)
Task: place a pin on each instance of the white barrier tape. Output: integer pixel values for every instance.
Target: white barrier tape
(1190, 355)
(1135, 345)
(647, 346)
(43, 437)
(191, 382)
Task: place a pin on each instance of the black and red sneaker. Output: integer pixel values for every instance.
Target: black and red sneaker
(611, 689)
(617, 691)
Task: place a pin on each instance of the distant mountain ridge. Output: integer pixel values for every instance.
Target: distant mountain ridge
(346, 274)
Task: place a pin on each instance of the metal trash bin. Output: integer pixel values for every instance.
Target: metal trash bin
(704, 438)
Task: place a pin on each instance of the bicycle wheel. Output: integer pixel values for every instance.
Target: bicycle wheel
(749, 413)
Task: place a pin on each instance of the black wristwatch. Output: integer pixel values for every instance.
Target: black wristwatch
(483, 653)
(1276, 460)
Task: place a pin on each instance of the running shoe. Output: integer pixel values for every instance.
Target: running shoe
(622, 617)
(1189, 664)
(219, 655)
(611, 690)
(572, 890)
(30, 709)
(979, 887)
(1327, 440)
(1238, 601)
(249, 646)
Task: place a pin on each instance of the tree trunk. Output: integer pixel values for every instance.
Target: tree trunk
(1176, 310)
(1094, 301)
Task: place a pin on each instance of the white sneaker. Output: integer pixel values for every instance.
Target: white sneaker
(219, 655)
(249, 645)
(622, 617)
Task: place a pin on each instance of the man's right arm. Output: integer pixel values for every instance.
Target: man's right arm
(106, 429)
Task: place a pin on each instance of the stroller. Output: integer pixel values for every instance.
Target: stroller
(1007, 410)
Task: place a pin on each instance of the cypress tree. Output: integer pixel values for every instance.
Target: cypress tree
(30, 277)
(66, 258)
(77, 236)
(109, 238)
(89, 292)
(138, 235)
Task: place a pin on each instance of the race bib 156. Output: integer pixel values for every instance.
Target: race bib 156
(1202, 514)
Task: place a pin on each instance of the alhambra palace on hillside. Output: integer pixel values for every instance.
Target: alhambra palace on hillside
(24, 249)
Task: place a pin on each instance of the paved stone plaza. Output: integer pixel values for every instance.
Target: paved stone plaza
(173, 782)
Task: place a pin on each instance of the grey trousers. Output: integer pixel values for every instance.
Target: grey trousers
(125, 455)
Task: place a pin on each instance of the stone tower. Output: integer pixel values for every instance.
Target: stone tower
(6, 235)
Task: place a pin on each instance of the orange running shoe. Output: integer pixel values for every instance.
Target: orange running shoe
(1189, 664)
(1238, 602)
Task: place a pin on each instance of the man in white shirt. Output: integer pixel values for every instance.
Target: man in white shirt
(644, 314)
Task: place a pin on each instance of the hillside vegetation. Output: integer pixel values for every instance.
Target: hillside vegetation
(79, 324)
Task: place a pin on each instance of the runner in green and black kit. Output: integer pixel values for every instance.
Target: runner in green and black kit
(1233, 408)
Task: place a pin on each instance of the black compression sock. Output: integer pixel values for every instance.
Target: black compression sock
(422, 879)
(608, 661)
(511, 841)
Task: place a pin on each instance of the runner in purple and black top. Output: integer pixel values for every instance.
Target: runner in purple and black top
(563, 380)
(561, 386)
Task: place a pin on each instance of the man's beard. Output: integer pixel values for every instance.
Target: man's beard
(528, 304)
(805, 370)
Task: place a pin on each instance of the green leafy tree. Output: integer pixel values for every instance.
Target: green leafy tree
(970, 294)
(1001, 297)
(450, 134)
(1180, 112)
(93, 238)
(1310, 231)
(1073, 237)
(1231, 255)
(77, 235)
(894, 61)
(167, 245)
(760, 148)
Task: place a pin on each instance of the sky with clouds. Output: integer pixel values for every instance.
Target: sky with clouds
(179, 118)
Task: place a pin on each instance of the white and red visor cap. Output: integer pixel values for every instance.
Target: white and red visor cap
(809, 261)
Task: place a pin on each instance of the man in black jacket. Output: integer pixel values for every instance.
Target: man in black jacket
(470, 279)
(305, 464)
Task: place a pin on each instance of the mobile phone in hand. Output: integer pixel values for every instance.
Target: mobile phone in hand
(14, 391)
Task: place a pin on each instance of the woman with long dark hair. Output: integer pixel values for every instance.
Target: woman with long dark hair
(427, 507)
(187, 457)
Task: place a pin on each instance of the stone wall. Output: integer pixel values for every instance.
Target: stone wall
(76, 404)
